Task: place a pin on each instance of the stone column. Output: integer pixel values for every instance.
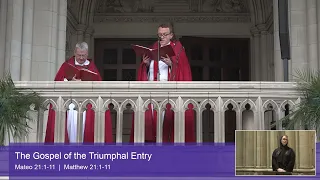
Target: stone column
(26, 60)
(278, 63)
(3, 25)
(240, 148)
(312, 34)
(318, 29)
(69, 44)
(254, 148)
(298, 33)
(73, 40)
(81, 29)
(55, 37)
(14, 38)
(262, 149)
(62, 30)
(263, 53)
(304, 153)
(47, 39)
(268, 149)
(89, 39)
(252, 60)
(256, 58)
(249, 149)
(270, 56)
(312, 143)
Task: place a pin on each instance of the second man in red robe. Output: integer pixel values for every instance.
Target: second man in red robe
(174, 68)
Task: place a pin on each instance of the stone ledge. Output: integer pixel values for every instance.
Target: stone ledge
(199, 85)
(195, 89)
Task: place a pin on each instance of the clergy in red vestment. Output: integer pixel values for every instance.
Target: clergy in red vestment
(174, 68)
(79, 60)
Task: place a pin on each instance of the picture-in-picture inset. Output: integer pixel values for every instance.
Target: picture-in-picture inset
(275, 153)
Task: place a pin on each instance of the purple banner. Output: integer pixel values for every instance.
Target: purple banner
(122, 160)
(4, 160)
(212, 160)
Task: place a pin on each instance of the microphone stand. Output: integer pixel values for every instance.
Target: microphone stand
(158, 79)
(158, 74)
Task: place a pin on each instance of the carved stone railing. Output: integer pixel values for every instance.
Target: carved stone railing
(249, 101)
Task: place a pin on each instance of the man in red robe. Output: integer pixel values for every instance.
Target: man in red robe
(174, 68)
(79, 60)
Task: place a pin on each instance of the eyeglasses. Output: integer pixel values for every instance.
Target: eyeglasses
(164, 34)
(82, 55)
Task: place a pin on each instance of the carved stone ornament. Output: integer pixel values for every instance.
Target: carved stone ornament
(73, 5)
(170, 6)
(143, 6)
(124, 6)
(225, 6)
(179, 19)
(155, 11)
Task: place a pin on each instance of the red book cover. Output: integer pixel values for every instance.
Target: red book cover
(71, 71)
(153, 53)
(87, 75)
(80, 73)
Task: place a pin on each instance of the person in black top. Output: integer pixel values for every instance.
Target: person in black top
(283, 158)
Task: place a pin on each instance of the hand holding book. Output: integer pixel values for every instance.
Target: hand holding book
(146, 60)
(153, 53)
(75, 74)
(75, 78)
(166, 60)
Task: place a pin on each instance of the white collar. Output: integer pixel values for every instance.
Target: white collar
(166, 44)
(86, 63)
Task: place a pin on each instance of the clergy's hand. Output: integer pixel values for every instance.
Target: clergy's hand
(74, 78)
(167, 60)
(146, 59)
(280, 170)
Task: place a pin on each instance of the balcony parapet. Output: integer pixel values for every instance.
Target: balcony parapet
(144, 89)
(222, 96)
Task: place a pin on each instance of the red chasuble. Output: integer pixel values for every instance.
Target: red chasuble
(89, 124)
(180, 71)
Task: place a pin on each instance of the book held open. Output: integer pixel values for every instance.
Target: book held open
(80, 73)
(153, 53)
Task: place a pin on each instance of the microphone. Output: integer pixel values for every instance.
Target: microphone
(158, 74)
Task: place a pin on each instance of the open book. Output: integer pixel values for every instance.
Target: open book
(153, 53)
(80, 73)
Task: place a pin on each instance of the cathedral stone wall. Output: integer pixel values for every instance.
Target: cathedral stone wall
(32, 38)
(36, 36)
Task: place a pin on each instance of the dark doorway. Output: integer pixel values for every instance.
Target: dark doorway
(115, 58)
(218, 59)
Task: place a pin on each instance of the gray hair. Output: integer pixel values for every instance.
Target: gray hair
(82, 46)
